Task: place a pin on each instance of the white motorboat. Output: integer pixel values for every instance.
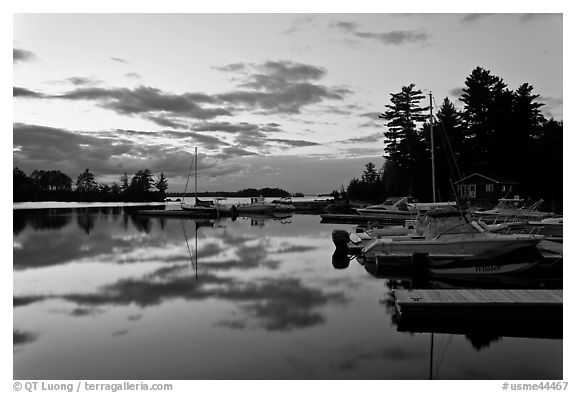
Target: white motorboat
(259, 205)
(513, 209)
(393, 208)
(448, 233)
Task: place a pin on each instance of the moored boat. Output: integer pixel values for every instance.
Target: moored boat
(513, 209)
(448, 233)
(259, 205)
(394, 208)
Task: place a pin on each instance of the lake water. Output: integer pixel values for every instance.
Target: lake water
(102, 293)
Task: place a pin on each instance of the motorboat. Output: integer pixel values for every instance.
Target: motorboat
(259, 205)
(402, 208)
(393, 208)
(354, 242)
(551, 228)
(447, 233)
(513, 209)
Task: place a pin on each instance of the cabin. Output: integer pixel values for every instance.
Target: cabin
(485, 191)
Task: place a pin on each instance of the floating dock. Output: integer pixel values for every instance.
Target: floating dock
(535, 313)
(479, 302)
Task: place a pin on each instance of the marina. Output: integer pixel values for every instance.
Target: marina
(250, 284)
(210, 197)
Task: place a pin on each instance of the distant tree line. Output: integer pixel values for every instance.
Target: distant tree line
(54, 185)
(499, 132)
(245, 193)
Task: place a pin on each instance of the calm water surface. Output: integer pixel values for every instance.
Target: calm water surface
(102, 293)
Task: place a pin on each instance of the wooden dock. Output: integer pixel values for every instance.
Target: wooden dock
(535, 313)
(479, 301)
(357, 219)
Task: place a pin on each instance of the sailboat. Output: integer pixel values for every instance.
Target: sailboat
(204, 208)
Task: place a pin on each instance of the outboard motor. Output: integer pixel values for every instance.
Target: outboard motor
(340, 259)
(340, 239)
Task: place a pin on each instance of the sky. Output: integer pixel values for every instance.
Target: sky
(270, 100)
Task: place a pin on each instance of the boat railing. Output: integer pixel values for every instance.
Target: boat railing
(450, 231)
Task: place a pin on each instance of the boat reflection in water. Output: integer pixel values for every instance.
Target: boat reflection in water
(108, 293)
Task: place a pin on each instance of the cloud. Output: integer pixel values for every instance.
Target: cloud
(552, 107)
(21, 55)
(299, 24)
(167, 121)
(376, 137)
(371, 115)
(25, 93)
(234, 67)
(246, 135)
(207, 141)
(272, 87)
(237, 128)
(82, 81)
(133, 75)
(279, 87)
(531, 17)
(234, 151)
(21, 337)
(456, 92)
(471, 18)
(396, 37)
(105, 153)
(148, 100)
(294, 142)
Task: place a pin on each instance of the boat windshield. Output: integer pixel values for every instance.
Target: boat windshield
(436, 226)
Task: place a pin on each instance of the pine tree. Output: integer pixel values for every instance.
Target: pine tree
(401, 137)
(85, 182)
(404, 147)
(124, 185)
(161, 185)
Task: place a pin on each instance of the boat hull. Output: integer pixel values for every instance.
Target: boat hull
(390, 214)
(472, 245)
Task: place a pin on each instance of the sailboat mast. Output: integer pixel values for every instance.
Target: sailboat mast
(432, 151)
(195, 174)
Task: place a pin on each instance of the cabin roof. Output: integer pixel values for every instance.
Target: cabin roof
(490, 178)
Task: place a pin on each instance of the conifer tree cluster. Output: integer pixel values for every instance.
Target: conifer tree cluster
(498, 132)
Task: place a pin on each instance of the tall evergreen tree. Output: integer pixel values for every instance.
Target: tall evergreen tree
(485, 99)
(85, 182)
(124, 185)
(141, 182)
(403, 115)
(404, 145)
(161, 185)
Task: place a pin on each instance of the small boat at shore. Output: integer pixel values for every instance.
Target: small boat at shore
(260, 206)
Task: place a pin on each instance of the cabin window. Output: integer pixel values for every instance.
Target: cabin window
(460, 190)
(489, 187)
(503, 188)
(467, 190)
